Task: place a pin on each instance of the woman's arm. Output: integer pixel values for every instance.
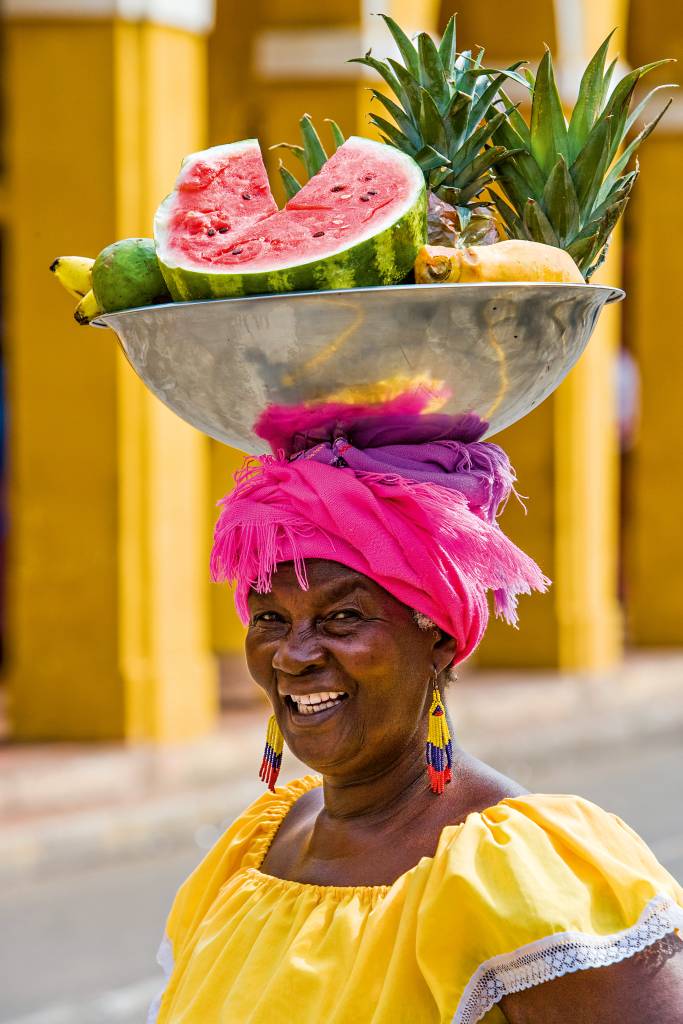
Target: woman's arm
(645, 989)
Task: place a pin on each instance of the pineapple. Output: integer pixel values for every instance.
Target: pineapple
(312, 153)
(564, 184)
(443, 115)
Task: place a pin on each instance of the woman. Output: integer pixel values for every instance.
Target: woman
(383, 889)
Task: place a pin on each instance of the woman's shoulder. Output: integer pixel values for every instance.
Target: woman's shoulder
(242, 845)
(535, 886)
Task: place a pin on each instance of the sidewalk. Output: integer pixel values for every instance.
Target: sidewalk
(70, 805)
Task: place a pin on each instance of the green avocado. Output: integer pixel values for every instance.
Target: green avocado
(126, 274)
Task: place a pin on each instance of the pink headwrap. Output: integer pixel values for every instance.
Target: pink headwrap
(379, 510)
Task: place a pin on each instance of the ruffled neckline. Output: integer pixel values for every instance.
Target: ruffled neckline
(272, 814)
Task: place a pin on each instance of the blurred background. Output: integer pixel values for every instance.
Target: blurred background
(131, 733)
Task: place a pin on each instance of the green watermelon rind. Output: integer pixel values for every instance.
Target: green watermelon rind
(382, 259)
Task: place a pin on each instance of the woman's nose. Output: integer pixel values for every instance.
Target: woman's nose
(299, 651)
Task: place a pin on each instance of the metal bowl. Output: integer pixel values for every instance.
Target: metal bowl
(492, 352)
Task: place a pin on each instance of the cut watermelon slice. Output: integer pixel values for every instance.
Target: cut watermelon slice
(359, 222)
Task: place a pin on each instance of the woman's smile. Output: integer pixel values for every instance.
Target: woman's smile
(314, 708)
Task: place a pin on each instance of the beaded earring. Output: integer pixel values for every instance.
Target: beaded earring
(439, 746)
(272, 755)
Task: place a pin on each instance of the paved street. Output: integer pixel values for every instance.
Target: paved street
(79, 948)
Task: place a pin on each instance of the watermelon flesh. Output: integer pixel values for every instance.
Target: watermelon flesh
(359, 222)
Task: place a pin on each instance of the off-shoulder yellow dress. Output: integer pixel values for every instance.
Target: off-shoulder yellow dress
(523, 892)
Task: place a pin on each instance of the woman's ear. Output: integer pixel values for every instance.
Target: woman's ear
(445, 649)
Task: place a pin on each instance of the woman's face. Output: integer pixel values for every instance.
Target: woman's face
(348, 645)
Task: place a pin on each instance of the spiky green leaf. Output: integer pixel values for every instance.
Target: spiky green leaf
(548, 126)
(588, 170)
(289, 182)
(589, 101)
(409, 90)
(516, 181)
(607, 81)
(432, 76)
(406, 48)
(482, 163)
(429, 159)
(404, 122)
(581, 249)
(560, 202)
(447, 47)
(620, 101)
(513, 224)
(396, 138)
(314, 153)
(297, 151)
(382, 69)
(632, 148)
(633, 117)
(482, 107)
(336, 133)
(431, 123)
(537, 224)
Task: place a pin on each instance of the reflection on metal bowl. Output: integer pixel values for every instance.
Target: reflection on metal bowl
(487, 352)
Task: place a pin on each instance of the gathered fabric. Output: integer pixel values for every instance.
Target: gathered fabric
(515, 895)
(418, 519)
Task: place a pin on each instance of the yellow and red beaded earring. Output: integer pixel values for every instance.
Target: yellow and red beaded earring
(439, 746)
(272, 755)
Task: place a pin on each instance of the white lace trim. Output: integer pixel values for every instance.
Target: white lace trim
(563, 953)
(165, 961)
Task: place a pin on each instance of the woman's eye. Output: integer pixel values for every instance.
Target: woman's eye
(265, 617)
(345, 614)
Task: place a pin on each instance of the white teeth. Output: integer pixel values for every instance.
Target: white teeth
(312, 703)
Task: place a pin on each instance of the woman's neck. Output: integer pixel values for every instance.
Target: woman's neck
(385, 793)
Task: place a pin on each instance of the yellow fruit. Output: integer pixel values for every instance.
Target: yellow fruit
(512, 260)
(87, 309)
(74, 274)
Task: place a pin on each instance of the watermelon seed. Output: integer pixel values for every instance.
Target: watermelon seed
(365, 199)
(245, 195)
(372, 192)
(367, 177)
(211, 232)
(318, 234)
(222, 231)
(337, 188)
(236, 252)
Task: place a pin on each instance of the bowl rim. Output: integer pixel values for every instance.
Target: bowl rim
(616, 295)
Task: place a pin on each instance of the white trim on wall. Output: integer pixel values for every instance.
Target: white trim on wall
(191, 15)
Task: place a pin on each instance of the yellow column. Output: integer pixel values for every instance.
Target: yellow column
(566, 452)
(109, 632)
(654, 470)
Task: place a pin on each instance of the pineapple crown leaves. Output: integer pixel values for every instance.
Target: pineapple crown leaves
(439, 110)
(311, 154)
(565, 183)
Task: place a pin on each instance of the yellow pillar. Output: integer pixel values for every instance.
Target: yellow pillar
(566, 452)
(654, 470)
(109, 629)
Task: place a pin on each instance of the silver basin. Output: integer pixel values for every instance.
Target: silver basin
(491, 352)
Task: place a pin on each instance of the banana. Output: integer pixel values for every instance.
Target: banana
(74, 273)
(87, 309)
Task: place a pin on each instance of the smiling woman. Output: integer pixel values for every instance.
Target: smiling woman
(383, 889)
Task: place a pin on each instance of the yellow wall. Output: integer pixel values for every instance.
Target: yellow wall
(108, 632)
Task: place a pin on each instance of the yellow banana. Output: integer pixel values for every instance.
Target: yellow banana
(74, 273)
(87, 309)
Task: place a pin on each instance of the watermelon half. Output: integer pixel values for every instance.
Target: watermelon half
(359, 222)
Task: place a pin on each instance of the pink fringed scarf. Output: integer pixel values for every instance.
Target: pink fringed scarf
(434, 547)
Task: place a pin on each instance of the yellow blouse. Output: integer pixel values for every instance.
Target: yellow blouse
(527, 890)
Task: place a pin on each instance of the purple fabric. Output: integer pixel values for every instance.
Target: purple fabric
(481, 472)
